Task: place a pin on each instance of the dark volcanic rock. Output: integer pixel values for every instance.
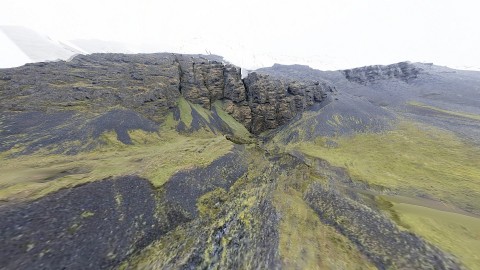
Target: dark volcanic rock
(234, 88)
(375, 236)
(274, 102)
(120, 121)
(56, 131)
(92, 226)
(404, 71)
(150, 84)
(201, 81)
(147, 83)
(184, 188)
(97, 225)
(297, 72)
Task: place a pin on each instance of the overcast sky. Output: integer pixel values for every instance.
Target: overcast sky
(342, 33)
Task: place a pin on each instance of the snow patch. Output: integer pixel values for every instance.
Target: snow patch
(10, 54)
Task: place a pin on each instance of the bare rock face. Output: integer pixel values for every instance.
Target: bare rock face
(146, 83)
(240, 111)
(151, 84)
(201, 80)
(234, 88)
(403, 71)
(274, 102)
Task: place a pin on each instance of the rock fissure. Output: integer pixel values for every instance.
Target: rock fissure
(180, 74)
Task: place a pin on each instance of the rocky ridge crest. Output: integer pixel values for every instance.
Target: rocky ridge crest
(403, 71)
(151, 84)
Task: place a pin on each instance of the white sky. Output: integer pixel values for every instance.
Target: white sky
(340, 33)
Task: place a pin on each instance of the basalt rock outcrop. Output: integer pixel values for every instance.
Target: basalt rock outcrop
(404, 71)
(152, 83)
(274, 102)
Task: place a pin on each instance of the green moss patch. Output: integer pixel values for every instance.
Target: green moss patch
(185, 112)
(210, 204)
(440, 173)
(443, 111)
(238, 129)
(307, 243)
(455, 233)
(414, 159)
(155, 156)
(204, 113)
(87, 214)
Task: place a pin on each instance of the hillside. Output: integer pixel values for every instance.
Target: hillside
(170, 161)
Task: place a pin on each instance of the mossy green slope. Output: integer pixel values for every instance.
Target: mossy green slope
(455, 233)
(415, 161)
(445, 112)
(264, 223)
(308, 243)
(153, 155)
(263, 220)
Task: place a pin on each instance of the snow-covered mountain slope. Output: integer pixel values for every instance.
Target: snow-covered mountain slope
(20, 45)
(10, 54)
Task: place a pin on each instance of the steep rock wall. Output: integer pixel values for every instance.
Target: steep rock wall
(274, 102)
(151, 84)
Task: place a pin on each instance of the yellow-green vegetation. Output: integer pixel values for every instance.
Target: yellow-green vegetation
(74, 228)
(204, 113)
(387, 206)
(307, 243)
(166, 249)
(87, 214)
(236, 208)
(210, 203)
(409, 158)
(118, 199)
(186, 108)
(455, 233)
(155, 156)
(452, 113)
(308, 122)
(306, 126)
(238, 129)
(185, 111)
(416, 159)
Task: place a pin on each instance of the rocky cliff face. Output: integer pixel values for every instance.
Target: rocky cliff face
(404, 71)
(152, 83)
(274, 102)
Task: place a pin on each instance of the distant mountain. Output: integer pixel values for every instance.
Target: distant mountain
(397, 86)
